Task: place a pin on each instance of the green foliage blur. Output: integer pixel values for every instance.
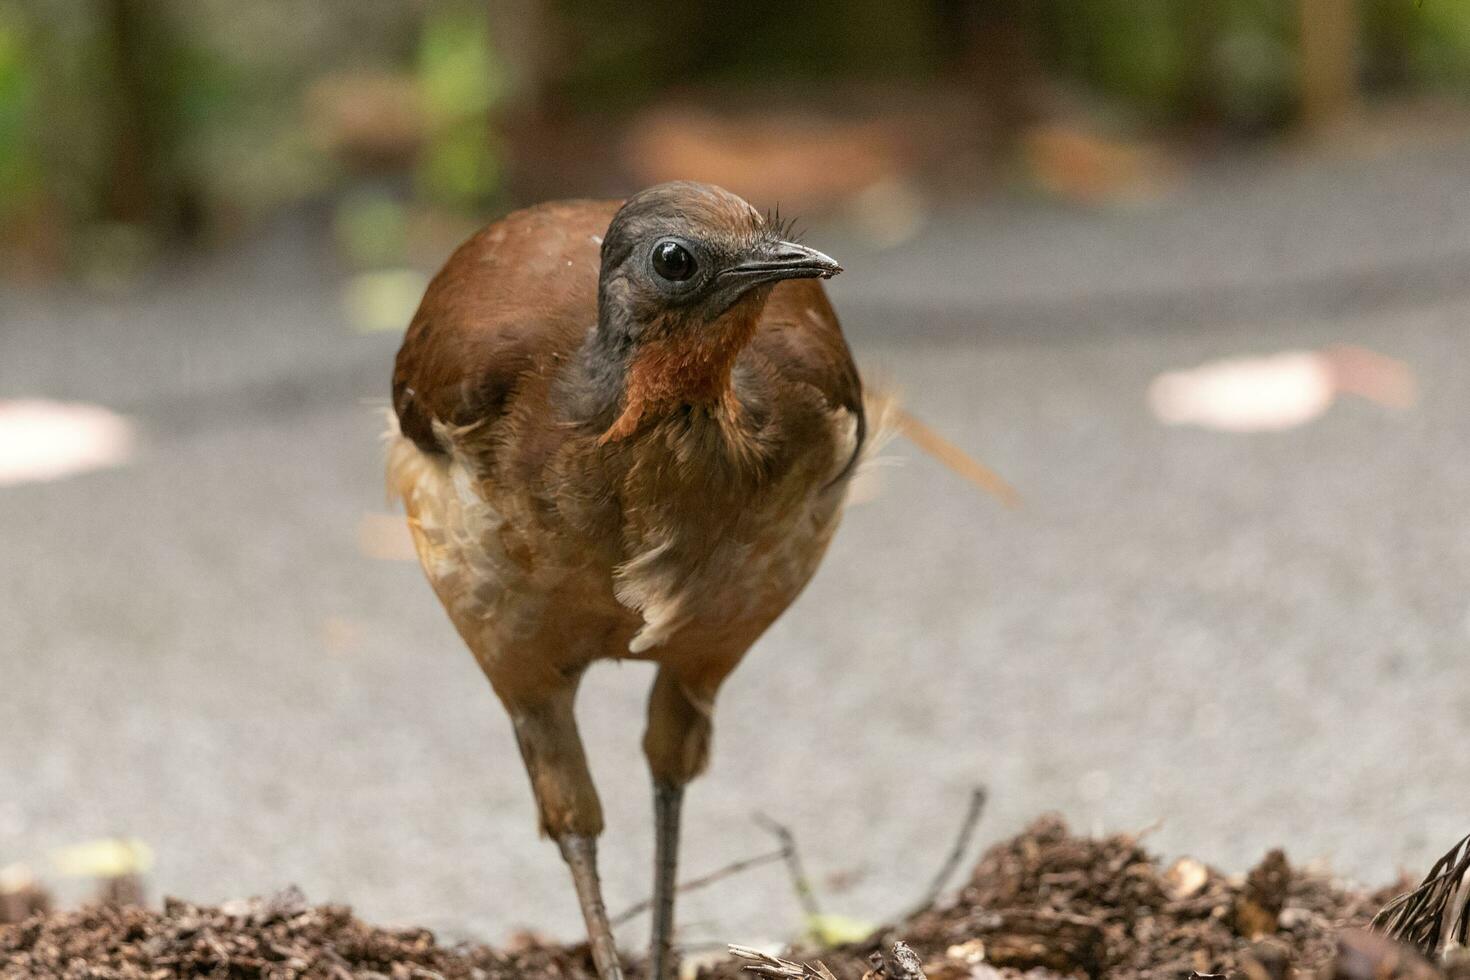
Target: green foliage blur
(1236, 60)
(128, 124)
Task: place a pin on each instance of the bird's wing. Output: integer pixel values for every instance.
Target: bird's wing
(506, 306)
(799, 335)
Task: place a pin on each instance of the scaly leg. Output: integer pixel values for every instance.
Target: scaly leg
(667, 799)
(570, 811)
(580, 853)
(677, 746)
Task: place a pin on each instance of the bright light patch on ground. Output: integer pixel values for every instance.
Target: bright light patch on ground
(1279, 391)
(45, 440)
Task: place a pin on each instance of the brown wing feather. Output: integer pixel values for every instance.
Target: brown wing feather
(800, 335)
(519, 294)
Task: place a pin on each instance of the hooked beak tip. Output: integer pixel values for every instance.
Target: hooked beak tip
(786, 260)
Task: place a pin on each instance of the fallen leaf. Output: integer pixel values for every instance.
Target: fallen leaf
(834, 930)
(1279, 391)
(1371, 375)
(109, 857)
(1186, 877)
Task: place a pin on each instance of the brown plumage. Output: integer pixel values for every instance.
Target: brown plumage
(626, 431)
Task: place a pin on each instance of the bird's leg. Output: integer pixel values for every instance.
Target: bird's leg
(677, 746)
(667, 800)
(580, 853)
(570, 811)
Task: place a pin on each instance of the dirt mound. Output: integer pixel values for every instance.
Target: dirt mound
(1048, 904)
(278, 938)
(1042, 904)
(1107, 907)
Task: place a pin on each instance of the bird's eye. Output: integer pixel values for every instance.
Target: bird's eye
(672, 261)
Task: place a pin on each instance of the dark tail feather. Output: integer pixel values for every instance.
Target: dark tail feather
(1436, 915)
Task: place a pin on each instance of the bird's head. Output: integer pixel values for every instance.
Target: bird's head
(686, 271)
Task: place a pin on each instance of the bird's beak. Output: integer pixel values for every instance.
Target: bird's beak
(782, 260)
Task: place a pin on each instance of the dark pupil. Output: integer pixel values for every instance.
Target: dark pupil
(673, 261)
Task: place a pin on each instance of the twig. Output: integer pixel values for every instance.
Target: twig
(221, 956)
(766, 965)
(1149, 830)
(1436, 915)
(898, 962)
(978, 796)
(694, 884)
(799, 881)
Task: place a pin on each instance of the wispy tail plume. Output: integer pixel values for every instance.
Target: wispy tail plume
(955, 458)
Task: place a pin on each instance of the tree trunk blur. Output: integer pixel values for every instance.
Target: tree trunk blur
(143, 183)
(1328, 61)
(990, 46)
(129, 196)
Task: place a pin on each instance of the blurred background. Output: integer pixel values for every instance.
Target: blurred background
(1192, 276)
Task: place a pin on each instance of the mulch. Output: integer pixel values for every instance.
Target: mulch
(1044, 904)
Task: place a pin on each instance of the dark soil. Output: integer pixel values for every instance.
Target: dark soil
(1041, 905)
